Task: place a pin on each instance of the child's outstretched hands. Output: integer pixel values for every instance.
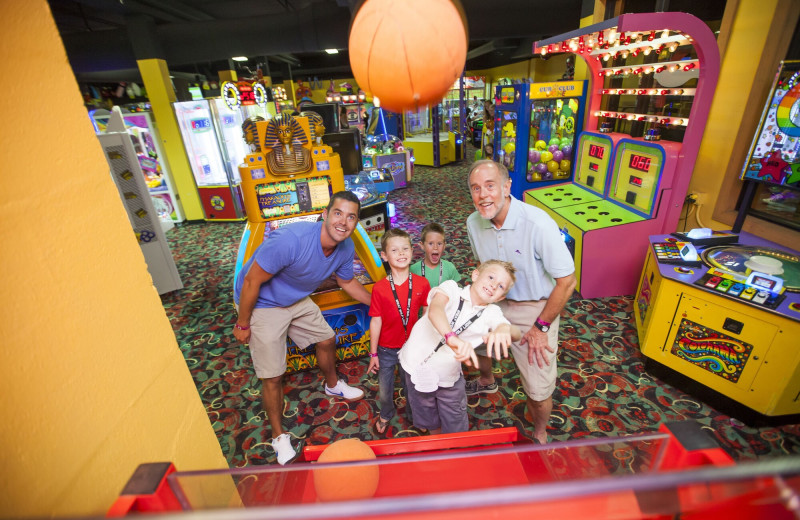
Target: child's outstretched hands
(374, 365)
(498, 342)
(464, 351)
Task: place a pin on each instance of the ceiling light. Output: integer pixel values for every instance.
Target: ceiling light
(239, 58)
(332, 51)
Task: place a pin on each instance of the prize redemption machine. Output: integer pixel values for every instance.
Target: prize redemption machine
(677, 472)
(660, 71)
(425, 131)
(721, 311)
(535, 129)
(147, 145)
(289, 182)
(206, 126)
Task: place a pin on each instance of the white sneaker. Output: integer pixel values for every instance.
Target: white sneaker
(286, 453)
(344, 391)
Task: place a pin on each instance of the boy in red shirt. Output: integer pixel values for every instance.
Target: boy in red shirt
(394, 308)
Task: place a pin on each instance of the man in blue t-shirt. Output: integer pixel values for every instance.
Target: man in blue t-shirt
(272, 299)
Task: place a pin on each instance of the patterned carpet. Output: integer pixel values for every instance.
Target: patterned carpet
(603, 387)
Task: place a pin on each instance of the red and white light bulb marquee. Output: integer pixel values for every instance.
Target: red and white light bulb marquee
(625, 37)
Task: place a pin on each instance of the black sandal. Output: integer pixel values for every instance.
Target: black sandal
(380, 425)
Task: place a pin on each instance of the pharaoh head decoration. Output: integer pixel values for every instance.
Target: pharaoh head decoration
(284, 129)
(315, 122)
(250, 132)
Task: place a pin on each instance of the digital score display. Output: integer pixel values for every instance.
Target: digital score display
(247, 97)
(201, 124)
(596, 151)
(639, 162)
(636, 181)
(594, 167)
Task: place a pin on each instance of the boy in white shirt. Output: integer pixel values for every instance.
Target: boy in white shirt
(460, 319)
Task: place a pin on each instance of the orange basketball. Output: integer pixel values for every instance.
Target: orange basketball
(352, 483)
(408, 53)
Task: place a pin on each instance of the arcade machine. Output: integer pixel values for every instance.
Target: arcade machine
(371, 189)
(537, 152)
(626, 188)
(722, 309)
(217, 178)
(423, 129)
(280, 188)
(677, 472)
(384, 150)
(237, 102)
(355, 110)
(147, 145)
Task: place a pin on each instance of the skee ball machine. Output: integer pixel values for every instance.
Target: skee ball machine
(285, 183)
(652, 79)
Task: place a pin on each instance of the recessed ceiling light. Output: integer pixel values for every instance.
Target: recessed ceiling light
(239, 58)
(332, 51)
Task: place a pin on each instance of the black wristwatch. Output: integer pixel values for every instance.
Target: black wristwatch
(541, 325)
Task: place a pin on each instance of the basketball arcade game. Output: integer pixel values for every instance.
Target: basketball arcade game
(285, 183)
(731, 323)
(625, 188)
(677, 472)
(535, 129)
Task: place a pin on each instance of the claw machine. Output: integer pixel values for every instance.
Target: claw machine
(204, 137)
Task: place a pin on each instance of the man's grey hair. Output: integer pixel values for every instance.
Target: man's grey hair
(484, 162)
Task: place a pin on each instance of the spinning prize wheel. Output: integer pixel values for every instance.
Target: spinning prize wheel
(787, 115)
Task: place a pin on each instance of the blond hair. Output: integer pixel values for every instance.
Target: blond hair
(508, 266)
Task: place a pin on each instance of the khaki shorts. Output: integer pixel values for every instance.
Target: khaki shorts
(301, 321)
(539, 383)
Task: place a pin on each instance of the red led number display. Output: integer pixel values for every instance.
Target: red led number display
(596, 151)
(639, 162)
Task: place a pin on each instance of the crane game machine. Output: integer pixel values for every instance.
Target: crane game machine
(633, 164)
(536, 126)
(723, 309)
(293, 181)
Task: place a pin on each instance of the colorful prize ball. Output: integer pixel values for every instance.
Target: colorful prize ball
(529, 177)
(540, 145)
(546, 156)
(552, 148)
(552, 166)
(558, 155)
(530, 167)
(554, 141)
(565, 141)
(566, 150)
(346, 483)
(564, 165)
(533, 155)
(540, 168)
(390, 58)
(509, 148)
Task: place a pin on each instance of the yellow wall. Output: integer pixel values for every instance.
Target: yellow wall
(93, 381)
(754, 37)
